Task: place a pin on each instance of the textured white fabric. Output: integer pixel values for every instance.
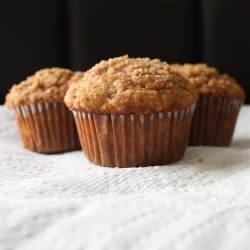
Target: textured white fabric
(50, 202)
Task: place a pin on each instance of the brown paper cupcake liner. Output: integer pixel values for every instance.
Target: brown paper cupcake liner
(214, 121)
(134, 140)
(47, 127)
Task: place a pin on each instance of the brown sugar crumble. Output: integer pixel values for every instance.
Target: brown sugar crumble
(76, 77)
(209, 81)
(131, 85)
(46, 85)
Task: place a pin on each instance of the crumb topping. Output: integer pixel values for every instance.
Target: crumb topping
(76, 76)
(209, 81)
(130, 85)
(46, 85)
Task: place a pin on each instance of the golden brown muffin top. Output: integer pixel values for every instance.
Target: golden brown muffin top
(76, 76)
(46, 85)
(209, 81)
(125, 85)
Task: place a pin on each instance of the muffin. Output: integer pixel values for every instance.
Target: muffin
(44, 122)
(76, 76)
(132, 112)
(218, 106)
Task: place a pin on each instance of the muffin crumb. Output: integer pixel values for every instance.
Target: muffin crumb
(131, 85)
(46, 85)
(209, 81)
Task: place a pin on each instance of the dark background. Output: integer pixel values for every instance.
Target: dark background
(77, 34)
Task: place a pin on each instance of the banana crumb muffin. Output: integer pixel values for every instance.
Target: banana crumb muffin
(132, 112)
(46, 85)
(217, 109)
(131, 85)
(76, 76)
(44, 122)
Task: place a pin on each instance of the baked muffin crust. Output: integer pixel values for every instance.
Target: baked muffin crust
(46, 85)
(209, 81)
(130, 85)
(76, 76)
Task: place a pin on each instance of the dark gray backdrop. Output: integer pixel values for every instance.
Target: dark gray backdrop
(79, 33)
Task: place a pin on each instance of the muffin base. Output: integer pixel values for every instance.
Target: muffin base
(47, 127)
(214, 121)
(134, 140)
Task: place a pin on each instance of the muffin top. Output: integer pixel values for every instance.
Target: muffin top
(209, 81)
(126, 85)
(46, 85)
(76, 76)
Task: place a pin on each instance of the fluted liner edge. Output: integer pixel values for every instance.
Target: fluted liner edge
(134, 140)
(47, 127)
(214, 121)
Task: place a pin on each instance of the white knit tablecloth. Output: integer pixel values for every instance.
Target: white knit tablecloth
(62, 201)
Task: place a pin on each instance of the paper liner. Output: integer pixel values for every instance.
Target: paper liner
(134, 140)
(47, 127)
(214, 121)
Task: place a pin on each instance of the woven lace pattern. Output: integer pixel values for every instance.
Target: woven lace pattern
(62, 201)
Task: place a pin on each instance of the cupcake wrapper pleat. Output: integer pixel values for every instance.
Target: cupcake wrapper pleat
(214, 121)
(47, 127)
(134, 140)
